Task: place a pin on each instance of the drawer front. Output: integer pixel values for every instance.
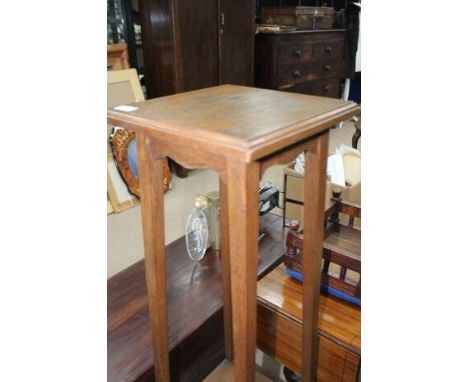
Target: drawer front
(281, 339)
(306, 51)
(289, 75)
(325, 87)
(291, 53)
(328, 49)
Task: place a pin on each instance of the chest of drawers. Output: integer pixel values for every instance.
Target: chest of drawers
(308, 62)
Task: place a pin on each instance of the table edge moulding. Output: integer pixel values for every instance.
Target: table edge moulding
(246, 149)
(238, 132)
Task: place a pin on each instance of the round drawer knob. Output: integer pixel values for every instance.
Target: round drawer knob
(296, 74)
(328, 48)
(298, 53)
(326, 88)
(327, 68)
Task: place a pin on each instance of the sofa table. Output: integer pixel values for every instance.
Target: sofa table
(238, 132)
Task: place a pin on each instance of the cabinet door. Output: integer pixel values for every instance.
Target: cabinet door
(198, 32)
(158, 47)
(236, 41)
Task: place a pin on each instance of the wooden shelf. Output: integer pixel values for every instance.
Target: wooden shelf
(195, 310)
(225, 373)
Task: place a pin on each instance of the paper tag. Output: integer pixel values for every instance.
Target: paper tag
(343, 149)
(125, 108)
(335, 168)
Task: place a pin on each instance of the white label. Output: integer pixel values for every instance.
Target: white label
(125, 108)
(335, 168)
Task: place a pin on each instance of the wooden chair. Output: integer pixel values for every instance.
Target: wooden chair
(117, 57)
(341, 265)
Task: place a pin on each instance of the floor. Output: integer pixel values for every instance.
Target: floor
(125, 237)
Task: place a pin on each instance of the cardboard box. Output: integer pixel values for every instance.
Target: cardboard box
(294, 187)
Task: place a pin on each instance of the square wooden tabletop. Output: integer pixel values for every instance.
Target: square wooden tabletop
(241, 118)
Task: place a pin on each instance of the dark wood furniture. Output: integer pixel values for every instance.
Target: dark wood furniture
(195, 305)
(280, 321)
(190, 45)
(341, 269)
(304, 18)
(238, 132)
(308, 62)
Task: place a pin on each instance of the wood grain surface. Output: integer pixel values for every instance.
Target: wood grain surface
(314, 204)
(226, 272)
(151, 176)
(243, 180)
(247, 122)
(280, 328)
(225, 373)
(190, 45)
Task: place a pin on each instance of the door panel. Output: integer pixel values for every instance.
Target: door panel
(198, 31)
(237, 41)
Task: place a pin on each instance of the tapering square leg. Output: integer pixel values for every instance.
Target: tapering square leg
(314, 200)
(225, 268)
(152, 211)
(243, 180)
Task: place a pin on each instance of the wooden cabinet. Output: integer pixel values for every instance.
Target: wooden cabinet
(308, 62)
(193, 44)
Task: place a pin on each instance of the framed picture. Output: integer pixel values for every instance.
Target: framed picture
(110, 209)
(124, 150)
(123, 87)
(117, 191)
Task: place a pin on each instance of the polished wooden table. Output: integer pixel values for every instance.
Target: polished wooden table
(279, 331)
(238, 132)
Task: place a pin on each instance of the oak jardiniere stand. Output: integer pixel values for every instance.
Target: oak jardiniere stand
(238, 132)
